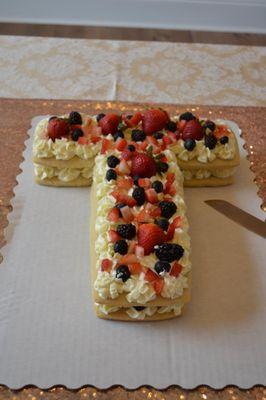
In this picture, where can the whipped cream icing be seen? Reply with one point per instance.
(63, 174)
(205, 173)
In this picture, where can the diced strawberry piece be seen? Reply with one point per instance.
(150, 235)
(143, 216)
(123, 168)
(124, 183)
(170, 177)
(173, 135)
(132, 247)
(127, 214)
(177, 221)
(123, 198)
(143, 145)
(221, 130)
(151, 196)
(151, 140)
(134, 120)
(150, 276)
(155, 212)
(176, 269)
(113, 215)
(172, 190)
(113, 236)
(129, 259)
(126, 154)
(120, 144)
(109, 124)
(144, 183)
(96, 130)
(106, 264)
(106, 145)
(172, 227)
(139, 251)
(82, 140)
(167, 140)
(95, 139)
(135, 268)
(163, 159)
(158, 285)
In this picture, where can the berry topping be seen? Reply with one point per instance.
(158, 135)
(210, 141)
(137, 135)
(154, 120)
(123, 198)
(161, 267)
(118, 134)
(57, 127)
(123, 168)
(193, 130)
(143, 165)
(113, 236)
(151, 196)
(169, 252)
(139, 195)
(75, 118)
(109, 124)
(123, 273)
(100, 116)
(76, 134)
(162, 223)
(187, 116)
(106, 264)
(149, 235)
(131, 147)
(139, 308)
(162, 166)
(168, 209)
(171, 126)
(114, 214)
(224, 140)
(110, 174)
(121, 143)
(176, 269)
(121, 247)
(112, 161)
(127, 214)
(126, 231)
(190, 144)
(157, 186)
(156, 281)
(209, 125)
(119, 206)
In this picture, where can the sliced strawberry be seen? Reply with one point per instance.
(113, 236)
(82, 140)
(144, 183)
(139, 251)
(143, 165)
(57, 128)
(129, 259)
(193, 130)
(176, 269)
(154, 120)
(135, 268)
(123, 198)
(127, 214)
(158, 285)
(167, 140)
(106, 264)
(106, 145)
(123, 168)
(113, 215)
(125, 183)
(151, 196)
(120, 144)
(150, 235)
(109, 124)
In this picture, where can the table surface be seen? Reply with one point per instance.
(134, 71)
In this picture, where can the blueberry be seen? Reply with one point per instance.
(76, 134)
(171, 126)
(137, 135)
(187, 116)
(169, 252)
(224, 140)
(100, 116)
(161, 267)
(121, 247)
(139, 308)
(139, 195)
(75, 118)
(110, 174)
(162, 223)
(209, 125)
(158, 135)
(157, 186)
(126, 231)
(122, 272)
(168, 208)
(210, 141)
(112, 161)
(131, 147)
(118, 134)
(190, 144)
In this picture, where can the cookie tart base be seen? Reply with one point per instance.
(144, 294)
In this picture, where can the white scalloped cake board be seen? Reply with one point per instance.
(49, 333)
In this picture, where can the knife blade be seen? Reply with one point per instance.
(239, 216)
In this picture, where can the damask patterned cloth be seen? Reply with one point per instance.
(33, 67)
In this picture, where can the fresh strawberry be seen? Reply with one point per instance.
(145, 183)
(172, 227)
(220, 131)
(153, 211)
(167, 140)
(151, 196)
(127, 214)
(82, 140)
(151, 276)
(149, 235)
(135, 268)
(123, 198)
(73, 127)
(139, 251)
(143, 165)
(134, 120)
(154, 120)
(125, 183)
(123, 168)
(143, 216)
(151, 140)
(143, 145)
(181, 124)
(158, 285)
(113, 215)
(95, 138)
(172, 190)
(57, 128)
(106, 264)
(193, 130)
(106, 145)
(170, 178)
(128, 259)
(113, 236)
(126, 154)
(176, 269)
(109, 124)
(120, 144)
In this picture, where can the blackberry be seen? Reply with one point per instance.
(168, 209)
(110, 174)
(137, 135)
(139, 308)
(126, 231)
(162, 166)
(119, 206)
(190, 144)
(121, 247)
(139, 195)
(209, 125)
(76, 134)
(161, 267)
(136, 180)
(100, 116)
(122, 272)
(112, 161)
(157, 186)
(210, 141)
(75, 118)
(162, 223)
(224, 140)
(169, 252)
(187, 116)
(171, 126)
(131, 147)
(118, 134)
(158, 135)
